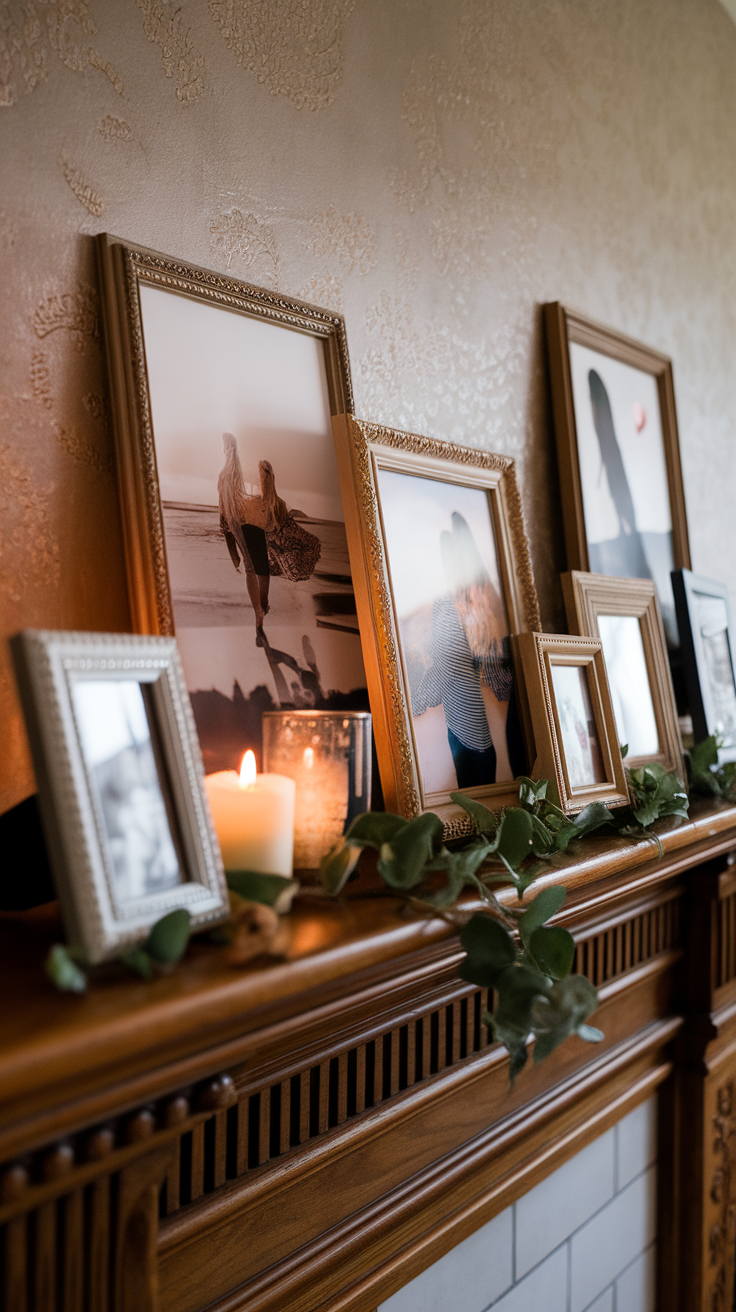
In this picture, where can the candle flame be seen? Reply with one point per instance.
(308, 757)
(248, 770)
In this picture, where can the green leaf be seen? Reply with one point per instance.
(138, 961)
(168, 938)
(543, 840)
(592, 817)
(646, 815)
(531, 791)
(485, 821)
(544, 906)
(401, 862)
(624, 750)
(63, 971)
(489, 947)
(514, 839)
(565, 835)
(704, 755)
(558, 1015)
(590, 1033)
(374, 828)
(272, 890)
(337, 867)
(553, 949)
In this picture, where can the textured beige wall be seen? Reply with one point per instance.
(434, 168)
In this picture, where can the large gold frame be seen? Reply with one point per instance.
(363, 448)
(589, 595)
(537, 654)
(122, 268)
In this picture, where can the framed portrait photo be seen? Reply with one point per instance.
(120, 785)
(704, 617)
(623, 501)
(442, 577)
(570, 720)
(624, 615)
(222, 396)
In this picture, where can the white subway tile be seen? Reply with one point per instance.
(636, 1137)
(545, 1288)
(559, 1205)
(612, 1239)
(467, 1278)
(636, 1289)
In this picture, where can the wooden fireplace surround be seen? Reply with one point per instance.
(311, 1133)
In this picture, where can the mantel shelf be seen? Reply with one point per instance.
(59, 1048)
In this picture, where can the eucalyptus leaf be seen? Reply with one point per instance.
(592, 817)
(168, 938)
(489, 947)
(337, 867)
(138, 961)
(553, 949)
(484, 819)
(272, 890)
(514, 839)
(531, 791)
(374, 828)
(401, 862)
(545, 905)
(63, 971)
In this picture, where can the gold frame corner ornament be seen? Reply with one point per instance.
(363, 448)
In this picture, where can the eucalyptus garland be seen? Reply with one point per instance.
(509, 949)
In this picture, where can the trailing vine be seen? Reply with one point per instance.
(510, 949)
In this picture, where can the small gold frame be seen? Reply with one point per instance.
(363, 449)
(589, 595)
(538, 656)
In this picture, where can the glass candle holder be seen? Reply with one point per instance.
(328, 755)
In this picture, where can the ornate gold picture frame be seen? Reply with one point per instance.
(222, 398)
(442, 577)
(624, 615)
(570, 720)
(623, 501)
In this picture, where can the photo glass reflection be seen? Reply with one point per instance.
(628, 679)
(712, 621)
(623, 473)
(577, 726)
(115, 737)
(454, 633)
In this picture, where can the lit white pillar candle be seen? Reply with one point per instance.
(254, 818)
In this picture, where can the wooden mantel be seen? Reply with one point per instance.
(312, 1131)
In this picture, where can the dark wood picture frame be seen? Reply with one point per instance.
(563, 327)
(589, 595)
(687, 586)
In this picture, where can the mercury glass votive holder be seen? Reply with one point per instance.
(328, 755)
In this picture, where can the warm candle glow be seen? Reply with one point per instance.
(248, 770)
(308, 757)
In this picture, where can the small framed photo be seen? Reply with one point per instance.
(624, 615)
(121, 785)
(704, 617)
(233, 525)
(618, 453)
(442, 578)
(570, 719)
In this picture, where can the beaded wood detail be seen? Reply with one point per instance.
(611, 951)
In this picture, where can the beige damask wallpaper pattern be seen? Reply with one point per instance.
(433, 170)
